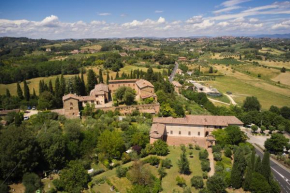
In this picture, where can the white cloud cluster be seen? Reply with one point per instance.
(230, 5)
(244, 22)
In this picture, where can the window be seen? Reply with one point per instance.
(171, 132)
(71, 104)
(189, 133)
(198, 133)
(71, 108)
(179, 132)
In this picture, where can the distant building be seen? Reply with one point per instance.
(48, 49)
(182, 58)
(207, 90)
(192, 129)
(75, 52)
(100, 96)
(123, 54)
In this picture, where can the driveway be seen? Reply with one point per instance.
(260, 140)
(231, 99)
(30, 113)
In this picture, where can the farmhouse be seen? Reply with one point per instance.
(101, 95)
(192, 129)
(177, 86)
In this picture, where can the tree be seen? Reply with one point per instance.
(31, 181)
(50, 87)
(26, 91)
(283, 70)
(234, 135)
(19, 91)
(183, 164)
(22, 141)
(4, 188)
(8, 93)
(18, 119)
(276, 143)
(197, 182)
(139, 174)
(74, 177)
(126, 95)
(238, 169)
(285, 112)
(265, 166)
(216, 184)
(249, 171)
(210, 70)
(108, 78)
(254, 128)
(101, 76)
(91, 80)
(162, 173)
(259, 184)
(263, 128)
(228, 152)
(45, 101)
(160, 147)
(275, 110)
(251, 104)
(111, 144)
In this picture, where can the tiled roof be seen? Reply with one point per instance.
(157, 131)
(143, 83)
(99, 89)
(86, 98)
(200, 120)
(123, 80)
(70, 95)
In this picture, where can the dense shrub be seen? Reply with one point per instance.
(96, 172)
(180, 181)
(205, 166)
(204, 175)
(166, 163)
(121, 171)
(203, 155)
(228, 152)
(153, 160)
(217, 156)
(160, 147)
(197, 182)
(216, 148)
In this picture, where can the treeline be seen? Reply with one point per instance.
(31, 69)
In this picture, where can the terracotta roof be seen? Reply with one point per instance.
(99, 89)
(86, 98)
(68, 96)
(143, 83)
(157, 131)
(123, 80)
(176, 84)
(200, 120)
(145, 96)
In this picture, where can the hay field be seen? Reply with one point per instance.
(271, 51)
(284, 78)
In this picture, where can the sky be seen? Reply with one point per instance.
(59, 19)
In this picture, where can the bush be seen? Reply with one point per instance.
(180, 181)
(228, 152)
(153, 160)
(205, 166)
(197, 147)
(31, 181)
(125, 158)
(160, 147)
(166, 163)
(190, 146)
(121, 172)
(203, 155)
(204, 175)
(216, 148)
(217, 156)
(197, 182)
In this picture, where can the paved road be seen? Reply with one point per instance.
(280, 174)
(171, 77)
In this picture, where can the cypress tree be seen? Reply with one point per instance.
(82, 85)
(249, 172)
(258, 165)
(138, 74)
(117, 76)
(265, 166)
(8, 93)
(101, 76)
(108, 77)
(91, 80)
(19, 91)
(62, 85)
(26, 91)
(238, 169)
(131, 75)
(40, 86)
(183, 164)
(57, 87)
(50, 87)
(34, 94)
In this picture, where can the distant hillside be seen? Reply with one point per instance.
(284, 36)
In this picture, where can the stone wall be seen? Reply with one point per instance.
(154, 108)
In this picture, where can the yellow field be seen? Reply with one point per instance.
(34, 82)
(94, 47)
(266, 73)
(284, 78)
(274, 64)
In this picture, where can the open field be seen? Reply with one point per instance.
(266, 73)
(284, 78)
(274, 64)
(271, 51)
(94, 47)
(34, 82)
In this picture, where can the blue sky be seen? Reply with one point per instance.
(98, 19)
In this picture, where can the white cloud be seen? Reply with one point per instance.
(230, 3)
(253, 20)
(50, 21)
(227, 9)
(195, 19)
(282, 25)
(158, 11)
(223, 24)
(104, 14)
(123, 15)
(161, 20)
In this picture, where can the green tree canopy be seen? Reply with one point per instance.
(276, 143)
(252, 104)
(126, 95)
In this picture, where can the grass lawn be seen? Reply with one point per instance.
(34, 82)
(271, 51)
(243, 88)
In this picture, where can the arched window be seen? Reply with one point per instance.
(198, 133)
(179, 132)
(189, 133)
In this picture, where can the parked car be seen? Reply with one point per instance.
(33, 108)
(25, 118)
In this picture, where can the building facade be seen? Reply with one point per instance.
(194, 129)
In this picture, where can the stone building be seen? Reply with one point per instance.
(177, 86)
(192, 129)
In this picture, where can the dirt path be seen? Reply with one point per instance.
(217, 101)
(231, 99)
(211, 161)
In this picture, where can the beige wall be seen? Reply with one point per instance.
(71, 104)
(195, 131)
(114, 86)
